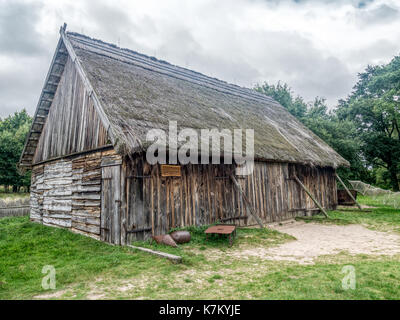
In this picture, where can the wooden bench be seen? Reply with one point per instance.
(223, 229)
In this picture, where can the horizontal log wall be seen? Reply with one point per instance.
(72, 124)
(67, 193)
(205, 194)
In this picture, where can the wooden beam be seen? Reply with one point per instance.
(311, 196)
(249, 206)
(59, 63)
(56, 75)
(348, 191)
(49, 74)
(49, 92)
(171, 257)
(75, 154)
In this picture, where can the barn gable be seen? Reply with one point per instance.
(69, 118)
(72, 123)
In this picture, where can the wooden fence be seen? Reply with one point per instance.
(14, 208)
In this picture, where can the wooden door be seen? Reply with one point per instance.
(139, 193)
(111, 204)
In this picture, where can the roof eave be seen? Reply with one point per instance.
(46, 98)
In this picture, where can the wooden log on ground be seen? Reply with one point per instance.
(171, 257)
(311, 196)
(348, 191)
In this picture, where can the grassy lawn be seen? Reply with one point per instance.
(88, 269)
(380, 217)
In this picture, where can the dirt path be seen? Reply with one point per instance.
(314, 240)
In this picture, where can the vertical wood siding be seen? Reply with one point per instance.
(72, 124)
(204, 194)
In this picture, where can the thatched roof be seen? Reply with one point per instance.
(138, 93)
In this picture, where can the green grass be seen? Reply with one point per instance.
(86, 268)
(199, 245)
(26, 247)
(13, 196)
(380, 217)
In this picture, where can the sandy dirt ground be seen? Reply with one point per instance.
(314, 240)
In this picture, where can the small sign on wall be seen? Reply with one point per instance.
(170, 170)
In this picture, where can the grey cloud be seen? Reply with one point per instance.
(377, 52)
(382, 14)
(20, 84)
(17, 29)
(211, 42)
(355, 3)
(25, 56)
(114, 25)
(292, 58)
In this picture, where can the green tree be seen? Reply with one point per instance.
(282, 93)
(374, 106)
(342, 136)
(13, 131)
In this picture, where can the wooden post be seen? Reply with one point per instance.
(251, 210)
(348, 191)
(311, 196)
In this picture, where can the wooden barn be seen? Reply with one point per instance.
(87, 148)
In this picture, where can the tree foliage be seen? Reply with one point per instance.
(374, 107)
(13, 131)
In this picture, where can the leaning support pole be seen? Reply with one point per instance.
(311, 196)
(348, 191)
(249, 206)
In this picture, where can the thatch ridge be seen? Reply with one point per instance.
(162, 65)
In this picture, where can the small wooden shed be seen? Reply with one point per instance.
(86, 148)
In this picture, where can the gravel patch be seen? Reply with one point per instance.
(314, 240)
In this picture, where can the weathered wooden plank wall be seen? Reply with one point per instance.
(36, 202)
(72, 124)
(205, 194)
(57, 194)
(67, 193)
(117, 201)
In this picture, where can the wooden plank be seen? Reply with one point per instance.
(109, 161)
(171, 257)
(170, 171)
(124, 201)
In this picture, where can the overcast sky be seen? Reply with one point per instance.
(317, 47)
